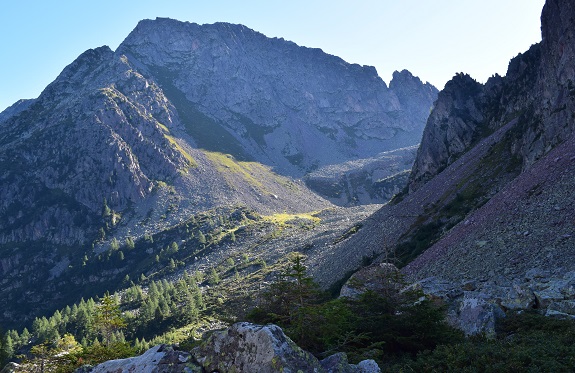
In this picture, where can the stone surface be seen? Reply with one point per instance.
(337, 363)
(158, 359)
(477, 315)
(519, 298)
(367, 366)
(245, 347)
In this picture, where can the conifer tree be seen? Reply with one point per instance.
(108, 318)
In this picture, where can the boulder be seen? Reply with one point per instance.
(246, 347)
(547, 296)
(367, 366)
(382, 278)
(476, 314)
(158, 359)
(563, 308)
(518, 298)
(337, 363)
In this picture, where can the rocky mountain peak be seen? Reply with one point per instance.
(451, 128)
(234, 76)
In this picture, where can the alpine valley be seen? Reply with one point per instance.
(213, 158)
(184, 120)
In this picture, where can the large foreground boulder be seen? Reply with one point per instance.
(158, 359)
(246, 347)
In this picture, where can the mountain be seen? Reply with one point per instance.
(489, 196)
(184, 129)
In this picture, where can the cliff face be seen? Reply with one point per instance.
(525, 227)
(538, 90)
(289, 107)
(467, 112)
(487, 196)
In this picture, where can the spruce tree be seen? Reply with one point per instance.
(108, 318)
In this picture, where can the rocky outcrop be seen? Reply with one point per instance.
(474, 306)
(158, 359)
(538, 89)
(246, 347)
(289, 107)
(452, 127)
(242, 348)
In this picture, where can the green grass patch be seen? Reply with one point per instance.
(190, 160)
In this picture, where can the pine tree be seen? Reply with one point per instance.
(290, 300)
(108, 318)
(172, 265)
(130, 244)
(8, 346)
(201, 238)
(214, 278)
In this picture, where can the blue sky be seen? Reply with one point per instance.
(432, 39)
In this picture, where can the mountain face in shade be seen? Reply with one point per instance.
(490, 192)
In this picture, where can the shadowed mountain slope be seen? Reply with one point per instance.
(489, 187)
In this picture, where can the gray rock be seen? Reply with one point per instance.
(476, 314)
(565, 307)
(337, 363)
(158, 359)
(367, 366)
(548, 295)
(246, 347)
(518, 298)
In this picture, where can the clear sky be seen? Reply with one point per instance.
(433, 39)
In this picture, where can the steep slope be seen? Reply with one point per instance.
(528, 225)
(495, 163)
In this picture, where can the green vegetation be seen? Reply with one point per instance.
(526, 342)
(282, 219)
(189, 159)
(103, 326)
(401, 330)
(378, 325)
